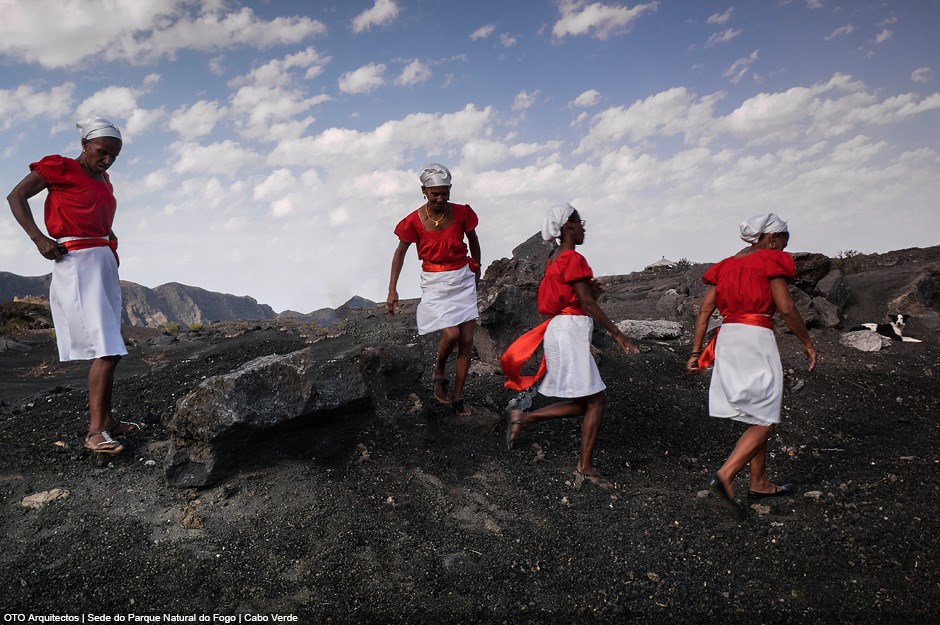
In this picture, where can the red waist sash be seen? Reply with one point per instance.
(73, 245)
(517, 354)
(427, 265)
(707, 359)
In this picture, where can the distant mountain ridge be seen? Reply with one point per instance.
(167, 303)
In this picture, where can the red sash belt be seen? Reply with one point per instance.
(707, 359)
(73, 245)
(517, 354)
(427, 265)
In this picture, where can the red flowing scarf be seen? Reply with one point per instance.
(521, 350)
(707, 359)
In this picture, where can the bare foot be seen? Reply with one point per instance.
(591, 475)
(513, 427)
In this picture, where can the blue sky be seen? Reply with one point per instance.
(271, 147)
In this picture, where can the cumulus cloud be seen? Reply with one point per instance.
(883, 36)
(588, 98)
(840, 31)
(721, 18)
(723, 37)
(25, 103)
(366, 79)
(507, 41)
(598, 20)
(482, 32)
(383, 13)
(196, 120)
(922, 74)
(413, 73)
(524, 100)
(814, 4)
(137, 32)
(222, 158)
(740, 68)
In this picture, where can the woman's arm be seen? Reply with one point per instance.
(18, 199)
(473, 243)
(792, 317)
(701, 327)
(583, 290)
(398, 260)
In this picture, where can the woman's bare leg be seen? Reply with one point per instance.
(751, 443)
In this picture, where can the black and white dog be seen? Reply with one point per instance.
(894, 329)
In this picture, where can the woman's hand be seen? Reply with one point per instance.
(626, 344)
(809, 350)
(691, 365)
(49, 248)
(391, 304)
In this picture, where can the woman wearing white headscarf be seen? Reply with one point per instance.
(567, 295)
(449, 276)
(747, 381)
(85, 294)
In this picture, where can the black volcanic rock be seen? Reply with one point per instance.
(12, 285)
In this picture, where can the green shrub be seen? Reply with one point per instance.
(196, 327)
(170, 327)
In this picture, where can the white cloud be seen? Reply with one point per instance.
(383, 13)
(587, 98)
(814, 4)
(524, 100)
(883, 36)
(366, 79)
(922, 74)
(507, 41)
(482, 32)
(596, 19)
(739, 68)
(136, 32)
(723, 37)
(413, 73)
(840, 31)
(25, 103)
(196, 120)
(721, 18)
(221, 158)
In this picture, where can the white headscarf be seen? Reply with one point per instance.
(434, 175)
(555, 218)
(752, 229)
(95, 127)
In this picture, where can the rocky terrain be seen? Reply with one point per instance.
(387, 508)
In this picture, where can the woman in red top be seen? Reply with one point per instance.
(85, 294)
(747, 382)
(567, 295)
(449, 277)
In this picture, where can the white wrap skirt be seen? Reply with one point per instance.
(571, 370)
(85, 298)
(448, 298)
(747, 380)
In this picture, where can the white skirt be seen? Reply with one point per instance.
(448, 298)
(85, 298)
(747, 381)
(572, 371)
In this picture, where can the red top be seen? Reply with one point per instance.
(742, 285)
(443, 247)
(556, 291)
(77, 205)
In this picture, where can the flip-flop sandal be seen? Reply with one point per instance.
(123, 428)
(718, 487)
(440, 390)
(107, 445)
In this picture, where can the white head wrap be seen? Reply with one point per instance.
(555, 218)
(752, 229)
(434, 175)
(95, 127)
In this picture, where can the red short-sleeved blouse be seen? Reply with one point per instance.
(742, 285)
(77, 205)
(556, 291)
(439, 246)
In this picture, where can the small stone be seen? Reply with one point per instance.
(702, 494)
(150, 463)
(813, 494)
(760, 508)
(38, 500)
(653, 577)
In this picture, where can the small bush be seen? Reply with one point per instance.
(14, 327)
(196, 327)
(170, 327)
